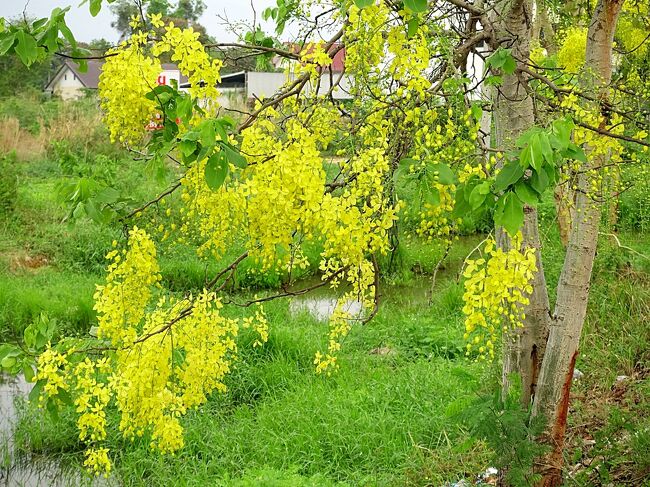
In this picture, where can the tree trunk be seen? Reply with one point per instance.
(514, 114)
(552, 397)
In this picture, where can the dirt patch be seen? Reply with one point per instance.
(20, 261)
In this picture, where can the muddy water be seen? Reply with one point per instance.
(29, 471)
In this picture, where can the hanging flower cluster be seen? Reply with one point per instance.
(496, 290)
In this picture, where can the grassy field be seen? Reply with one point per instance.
(406, 407)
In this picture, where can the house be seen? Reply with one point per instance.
(69, 83)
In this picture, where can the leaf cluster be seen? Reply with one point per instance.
(524, 177)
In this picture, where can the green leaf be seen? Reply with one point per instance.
(509, 175)
(363, 3)
(8, 362)
(107, 196)
(512, 217)
(526, 193)
(67, 34)
(461, 205)
(445, 174)
(216, 170)
(477, 111)
(531, 155)
(6, 42)
(65, 397)
(412, 27)
(28, 372)
(26, 48)
(431, 195)
(208, 133)
(93, 212)
(53, 409)
(561, 132)
(546, 149)
(235, 157)
(220, 127)
(553, 173)
(502, 59)
(493, 81)
(95, 7)
(509, 64)
(184, 108)
(36, 391)
(478, 195)
(408, 161)
(575, 152)
(417, 6)
(187, 147)
(539, 181)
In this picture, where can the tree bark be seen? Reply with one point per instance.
(514, 114)
(552, 397)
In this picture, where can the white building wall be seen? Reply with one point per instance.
(68, 86)
(265, 85)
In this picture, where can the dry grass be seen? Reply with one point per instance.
(73, 123)
(13, 138)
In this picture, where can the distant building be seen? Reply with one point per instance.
(239, 90)
(69, 83)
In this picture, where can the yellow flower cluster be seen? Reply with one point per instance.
(260, 325)
(164, 359)
(410, 59)
(496, 289)
(50, 366)
(571, 55)
(602, 180)
(364, 40)
(97, 461)
(127, 76)
(202, 70)
(436, 140)
(92, 397)
(120, 302)
(313, 58)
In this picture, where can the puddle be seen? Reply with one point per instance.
(321, 303)
(322, 307)
(30, 471)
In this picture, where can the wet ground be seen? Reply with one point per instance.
(29, 471)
